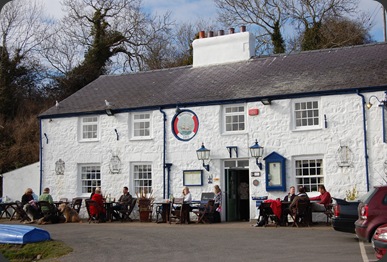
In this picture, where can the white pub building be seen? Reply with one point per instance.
(306, 118)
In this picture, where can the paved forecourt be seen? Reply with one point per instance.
(203, 242)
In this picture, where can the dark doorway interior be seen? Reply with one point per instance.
(237, 195)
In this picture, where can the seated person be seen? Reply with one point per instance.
(98, 211)
(30, 206)
(48, 217)
(301, 197)
(291, 195)
(46, 197)
(324, 200)
(187, 195)
(123, 202)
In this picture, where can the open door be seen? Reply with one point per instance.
(237, 195)
(231, 195)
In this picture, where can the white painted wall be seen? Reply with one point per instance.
(223, 49)
(272, 127)
(17, 181)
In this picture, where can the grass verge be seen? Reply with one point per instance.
(34, 251)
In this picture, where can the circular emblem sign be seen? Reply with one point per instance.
(185, 125)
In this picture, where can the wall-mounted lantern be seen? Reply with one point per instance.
(204, 155)
(256, 151)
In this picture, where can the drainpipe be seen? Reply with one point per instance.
(41, 157)
(365, 139)
(168, 166)
(164, 151)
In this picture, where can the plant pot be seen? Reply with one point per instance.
(144, 216)
(144, 206)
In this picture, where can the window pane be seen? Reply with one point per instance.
(90, 178)
(309, 174)
(142, 179)
(234, 118)
(306, 114)
(141, 125)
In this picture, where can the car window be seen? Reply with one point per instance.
(367, 197)
(385, 199)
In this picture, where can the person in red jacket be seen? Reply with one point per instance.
(98, 211)
(324, 199)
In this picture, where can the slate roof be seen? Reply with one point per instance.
(322, 72)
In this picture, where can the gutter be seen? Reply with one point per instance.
(365, 140)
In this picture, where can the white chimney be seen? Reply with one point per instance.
(223, 49)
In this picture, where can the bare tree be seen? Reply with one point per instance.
(268, 16)
(309, 15)
(20, 30)
(174, 48)
(110, 36)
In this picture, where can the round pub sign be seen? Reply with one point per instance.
(185, 125)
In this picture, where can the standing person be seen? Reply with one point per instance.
(324, 200)
(98, 211)
(243, 191)
(187, 195)
(123, 202)
(217, 203)
(29, 205)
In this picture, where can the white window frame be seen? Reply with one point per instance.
(83, 124)
(227, 114)
(313, 180)
(134, 121)
(141, 183)
(308, 118)
(93, 180)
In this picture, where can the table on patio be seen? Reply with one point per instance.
(4, 207)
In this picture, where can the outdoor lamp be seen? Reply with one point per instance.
(257, 152)
(381, 102)
(204, 154)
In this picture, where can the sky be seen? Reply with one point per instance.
(191, 10)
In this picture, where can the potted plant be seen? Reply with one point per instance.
(145, 204)
(351, 194)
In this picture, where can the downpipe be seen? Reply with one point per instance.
(365, 139)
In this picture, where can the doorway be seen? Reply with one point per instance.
(237, 191)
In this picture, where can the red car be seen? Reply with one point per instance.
(372, 213)
(379, 241)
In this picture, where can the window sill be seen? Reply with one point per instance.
(141, 138)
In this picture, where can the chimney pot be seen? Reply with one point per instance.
(220, 32)
(243, 28)
(202, 34)
(231, 30)
(210, 33)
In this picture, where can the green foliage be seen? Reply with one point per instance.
(351, 194)
(311, 38)
(29, 252)
(277, 39)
